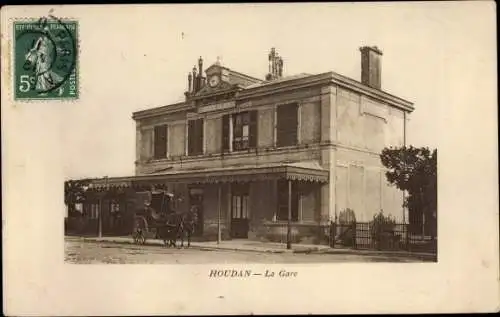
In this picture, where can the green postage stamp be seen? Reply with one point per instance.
(45, 59)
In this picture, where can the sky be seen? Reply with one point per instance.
(134, 58)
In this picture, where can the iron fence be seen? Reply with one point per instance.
(356, 235)
(393, 237)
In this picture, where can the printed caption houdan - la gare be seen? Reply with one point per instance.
(249, 273)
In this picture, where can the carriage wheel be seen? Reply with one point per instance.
(140, 229)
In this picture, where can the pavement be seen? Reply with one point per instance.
(271, 247)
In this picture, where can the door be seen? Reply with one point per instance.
(196, 205)
(240, 211)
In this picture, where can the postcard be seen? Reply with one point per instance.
(249, 159)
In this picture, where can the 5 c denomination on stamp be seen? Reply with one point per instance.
(46, 59)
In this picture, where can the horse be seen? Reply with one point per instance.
(189, 220)
(182, 225)
(168, 233)
(174, 225)
(167, 226)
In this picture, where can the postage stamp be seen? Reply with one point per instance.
(45, 59)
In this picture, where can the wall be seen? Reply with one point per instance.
(310, 118)
(364, 127)
(176, 136)
(213, 136)
(265, 128)
(367, 124)
(211, 211)
(365, 190)
(234, 159)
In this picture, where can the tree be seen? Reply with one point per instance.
(74, 193)
(414, 170)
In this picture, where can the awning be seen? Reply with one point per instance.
(302, 171)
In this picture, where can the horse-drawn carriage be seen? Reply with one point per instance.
(156, 218)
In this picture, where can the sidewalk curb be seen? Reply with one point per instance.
(317, 250)
(421, 256)
(239, 249)
(201, 247)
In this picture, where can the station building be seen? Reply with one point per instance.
(241, 148)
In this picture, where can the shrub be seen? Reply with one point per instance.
(382, 231)
(347, 216)
(346, 221)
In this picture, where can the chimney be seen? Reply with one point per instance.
(190, 81)
(200, 65)
(280, 67)
(371, 72)
(195, 81)
(275, 65)
(200, 74)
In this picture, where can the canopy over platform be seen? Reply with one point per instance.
(303, 171)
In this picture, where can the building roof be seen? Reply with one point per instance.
(279, 80)
(256, 86)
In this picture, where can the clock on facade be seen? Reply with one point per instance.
(213, 81)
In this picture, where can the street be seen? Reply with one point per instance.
(78, 251)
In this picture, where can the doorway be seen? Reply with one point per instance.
(196, 205)
(240, 210)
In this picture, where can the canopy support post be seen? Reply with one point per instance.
(289, 224)
(219, 212)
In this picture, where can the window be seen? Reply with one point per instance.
(94, 211)
(282, 214)
(79, 208)
(195, 137)
(287, 124)
(114, 207)
(240, 201)
(241, 123)
(244, 127)
(160, 142)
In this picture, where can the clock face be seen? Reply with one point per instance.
(214, 81)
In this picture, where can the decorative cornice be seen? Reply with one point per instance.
(169, 109)
(322, 80)
(283, 86)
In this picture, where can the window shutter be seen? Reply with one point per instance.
(252, 136)
(294, 123)
(146, 144)
(191, 137)
(225, 133)
(160, 141)
(195, 137)
(199, 149)
(287, 124)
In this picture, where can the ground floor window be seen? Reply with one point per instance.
(93, 211)
(114, 207)
(240, 201)
(282, 214)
